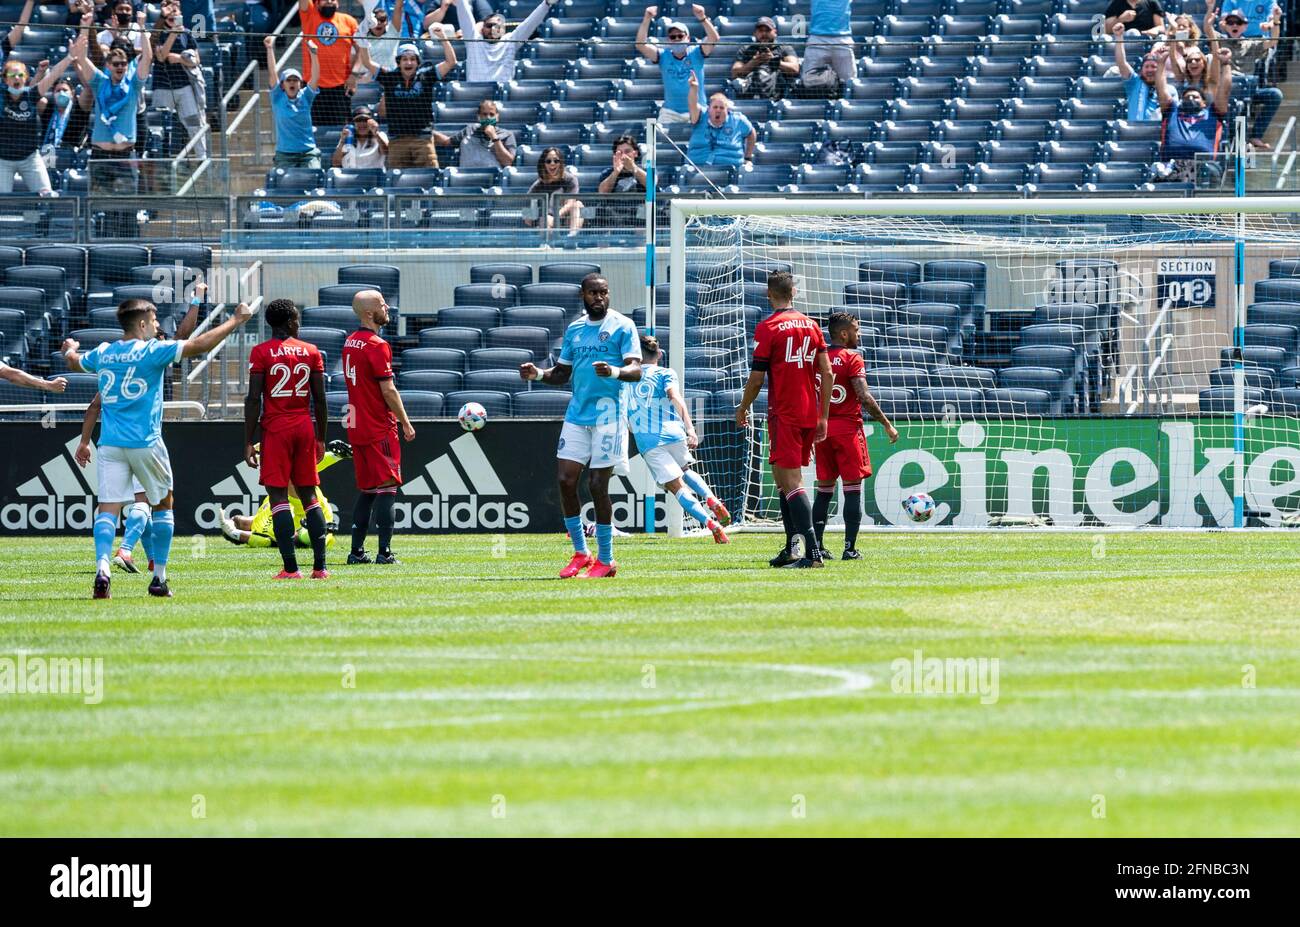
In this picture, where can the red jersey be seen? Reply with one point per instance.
(367, 359)
(846, 410)
(287, 366)
(786, 344)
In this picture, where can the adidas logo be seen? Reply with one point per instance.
(66, 492)
(242, 484)
(627, 498)
(455, 482)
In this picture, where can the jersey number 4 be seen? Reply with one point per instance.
(797, 355)
(349, 371)
(281, 387)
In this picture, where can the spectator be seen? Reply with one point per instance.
(178, 78)
(681, 61)
(361, 144)
(1190, 127)
(408, 105)
(66, 115)
(116, 92)
(765, 70)
(1185, 32)
(625, 176)
(126, 29)
(1144, 16)
(291, 106)
(1139, 88)
(482, 144)
(20, 127)
(722, 136)
(829, 51)
(1255, 13)
(77, 8)
(1245, 57)
(444, 11)
(333, 32)
(1193, 69)
(15, 35)
(552, 177)
(377, 43)
(407, 16)
(492, 60)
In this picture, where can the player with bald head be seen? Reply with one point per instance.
(374, 413)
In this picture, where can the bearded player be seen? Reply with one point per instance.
(843, 456)
(286, 398)
(374, 412)
(601, 352)
(790, 352)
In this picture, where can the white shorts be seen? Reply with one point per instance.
(668, 462)
(597, 446)
(121, 467)
(668, 116)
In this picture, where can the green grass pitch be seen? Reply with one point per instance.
(1148, 684)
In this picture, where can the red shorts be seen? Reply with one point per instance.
(378, 463)
(289, 456)
(790, 446)
(844, 457)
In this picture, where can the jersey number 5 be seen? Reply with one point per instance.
(802, 353)
(281, 388)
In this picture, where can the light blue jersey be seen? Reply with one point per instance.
(598, 400)
(831, 17)
(676, 74)
(131, 377)
(650, 414)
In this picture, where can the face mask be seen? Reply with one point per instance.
(1189, 109)
(487, 121)
(678, 49)
(62, 99)
(123, 19)
(16, 91)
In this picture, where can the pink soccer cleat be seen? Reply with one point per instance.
(579, 563)
(599, 570)
(285, 574)
(320, 574)
(721, 514)
(122, 560)
(719, 536)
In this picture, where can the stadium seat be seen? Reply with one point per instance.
(565, 272)
(436, 380)
(433, 359)
(339, 294)
(461, 339)
(90, 337)
(495, 402)
(550, 318)
(13, 337)
(542, 403)
(1016, 401)
(568, 296)
(1279, 268)
(956, 376)
(337, 317)
(1220, 399)
(513, 274)
(110, 265)
(1285, 337)
(187, 254)
(1254, 377)
(896, 402)
(901, 377)
(889, 271)
(382, 277)
(537, 341)
(480, 317)
(499, 358)
(944, 401)
(498, 379)
(421, 403)
(1274, 358)
(1273, 314)
(1048, 379)
(1266, 291)
(330, 342)
(725, 402)
(878, 293)
(492, 295)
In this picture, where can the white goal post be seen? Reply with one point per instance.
(1163, 359)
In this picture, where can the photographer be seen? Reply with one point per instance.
(765, 70)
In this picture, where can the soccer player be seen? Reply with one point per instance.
(139, 520)
(600, 353)
(23, 378)
(790, 350)
(286, 398)
(131, 374)
(258, 530)
(665, 435)
(843, 455)
(374, 412)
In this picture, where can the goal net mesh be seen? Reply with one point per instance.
(1071, 370)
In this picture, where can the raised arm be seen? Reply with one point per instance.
(1163, 93)
(1223, 92)
(314, 83)
(710, 32)
(214, 336)
(1121, 59)
(16, 33)
(145, 64)
(23, 378)
(85, 70)
(524, 31)
(693, 97)
(272, 75)
(191, 320)
(53, 74)
(465, 14)
(643, 35)
(448, 62)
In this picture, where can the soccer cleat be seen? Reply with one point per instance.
(719, 536)
(103, 585)
(359, 557)
(320, 574)
(285, 574)
(851, 553)
(122, 560)
(386, 556)
(159, 589)
(579, 563)
(150, 566)
(720, 512)
(228, 529)
(783, 559)
(803, 563)
(340, 449)
(600, 569)
(825, 554)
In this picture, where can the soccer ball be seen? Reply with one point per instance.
(472, 416)
(919, 506)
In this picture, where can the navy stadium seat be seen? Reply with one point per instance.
(495, 403)
(433, 380)
(462, 339)
(433, 359)
(542, 403)
(420, 403)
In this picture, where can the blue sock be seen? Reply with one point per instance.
(137, 519)
(574, 527)
(105, 532)
(164, 525)
(146, 539)
(604, 543)
(692, 506)
(698, 486)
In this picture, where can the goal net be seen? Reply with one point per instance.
(1068, 363)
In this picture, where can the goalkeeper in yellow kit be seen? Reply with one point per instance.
(257, 531)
